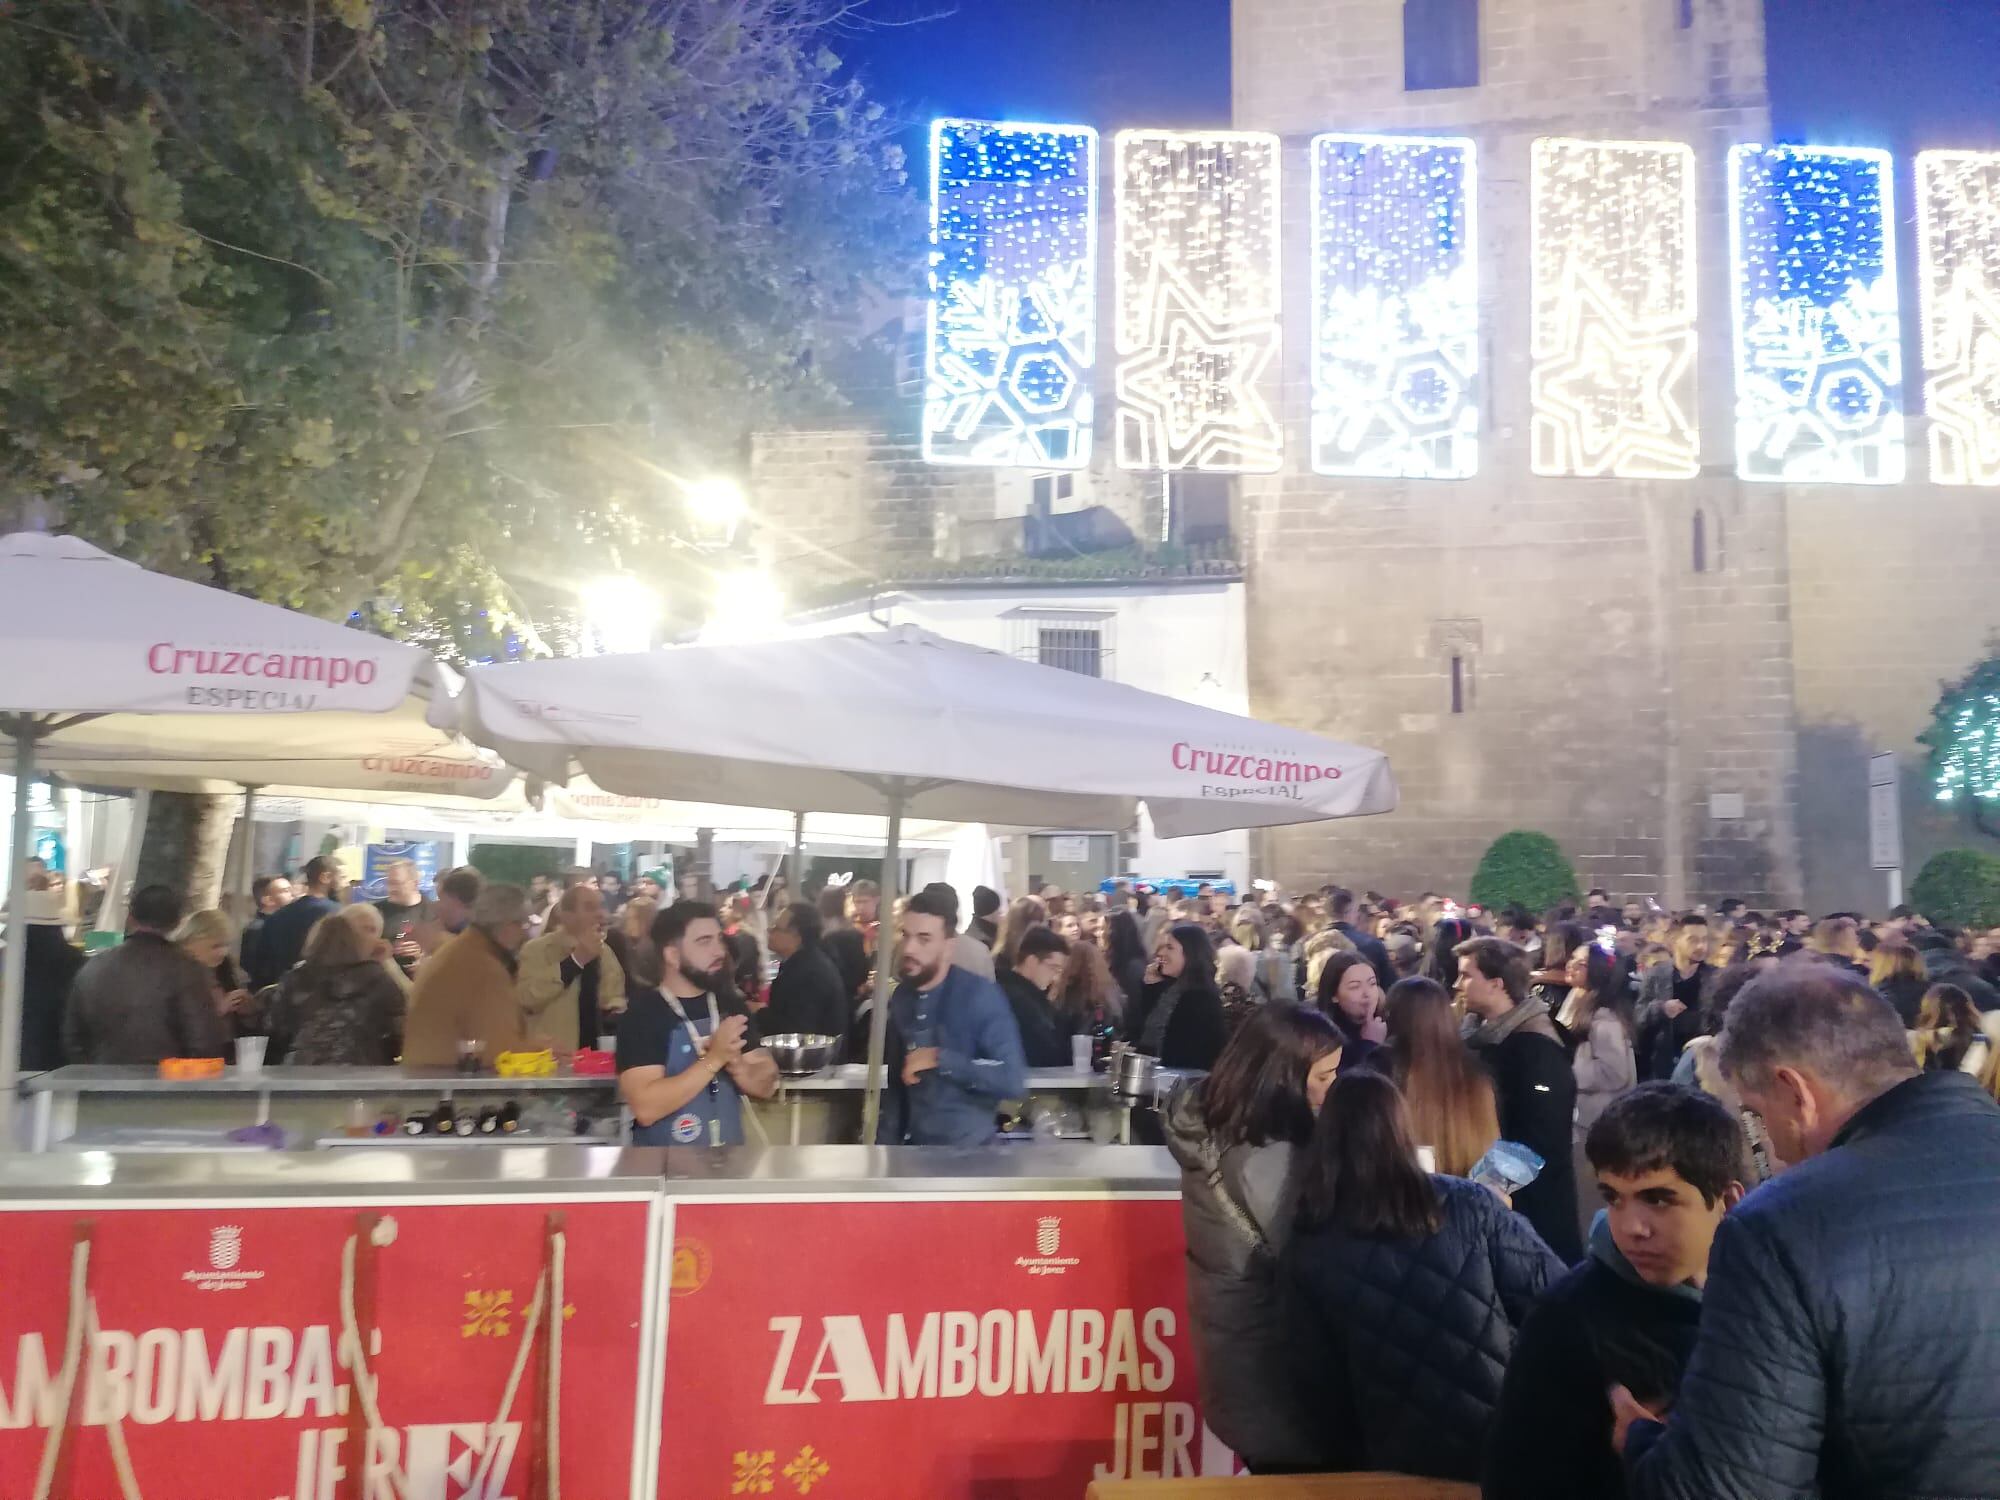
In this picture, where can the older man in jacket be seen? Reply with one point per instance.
(465, 991)
(1850, 1336)
(570, 983)
(143, 1000)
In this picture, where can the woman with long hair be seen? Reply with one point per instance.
(1086, 997)
(1235, 1135)
(209, 938)
(1898, 975)
(1026, 912)
(1597, 1016)
(338, 1006)
(1449, 1096)
(1550, 982)
(1179, 1018)
(1441, 964)
(1125, 952)
(1406, 1291)
(1350, 996)
(1949, 1037)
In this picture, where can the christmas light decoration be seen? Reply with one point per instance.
(1819, 354)
(1612, 382)
(1958, 241)
(1197, 296)
(1395, 312)
(1964, 741)
(1012, 327)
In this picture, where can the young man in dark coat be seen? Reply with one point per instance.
(1669, 1164)
(1517, 1040)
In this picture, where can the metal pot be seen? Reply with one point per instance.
(801, 1054)
(1132, 1075)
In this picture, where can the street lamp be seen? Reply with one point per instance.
(716, 506)
(623, 613)
(748, 606)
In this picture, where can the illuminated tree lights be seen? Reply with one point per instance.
(1197, 298)
(1395, 307)
(1012, 332)
(1819, 353)
(1612, 384)
(1964, 741)
(1958, 241)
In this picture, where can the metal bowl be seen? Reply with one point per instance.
(801, 1054)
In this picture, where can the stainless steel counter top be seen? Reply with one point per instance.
(473, 1169)
(96, 1079)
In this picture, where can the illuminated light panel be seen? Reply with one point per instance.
(1958, 242)
(1012, 329)
(1819, 348)
(1612, 381)
(1395, 287)
(1197, 297)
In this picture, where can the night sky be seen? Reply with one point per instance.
(1906, 74)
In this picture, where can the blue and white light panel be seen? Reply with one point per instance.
(1958, 243)
(1012, 329)
(1819, 353)
(1395, 307)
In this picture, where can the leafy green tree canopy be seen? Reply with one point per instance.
(1964, 741)
(1959, 888)
(419, 307)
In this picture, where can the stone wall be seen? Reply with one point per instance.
(1613, 693)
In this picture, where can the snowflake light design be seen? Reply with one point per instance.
(1012, 327)
(1197, 298)
(1612, 377)
(1819, 350)
(1958, 243)
(1396, 388)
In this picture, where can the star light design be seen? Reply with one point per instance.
(1011, 332)
(1197, 295)
(1613, 371)
(1609, 400)
(1819, 354)
(1396, 387)
(1958, 243)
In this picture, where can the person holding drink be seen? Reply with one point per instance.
(405, 912)
(686, 1055)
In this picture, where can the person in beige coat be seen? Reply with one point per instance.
(570, 982)
(465, 991)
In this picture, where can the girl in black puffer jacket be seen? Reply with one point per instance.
(1403, 1291)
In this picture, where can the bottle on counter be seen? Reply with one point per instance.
(509, 1118)
(489, 1121)
(442, 1120)
(416, 1124)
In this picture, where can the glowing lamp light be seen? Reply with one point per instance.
(1819, 344)
(1395, 307)
(1011, 330)
(1958, 252)
(1612, 377)
(622, 614)
(1197, 295)
(749, 606)
(716, 506)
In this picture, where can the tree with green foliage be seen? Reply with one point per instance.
(1964, 741)
(420, 307)
(1524, 869)
(1959, 888)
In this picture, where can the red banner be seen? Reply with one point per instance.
(384, 1351)
(846, 1350)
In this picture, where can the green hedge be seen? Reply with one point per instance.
(1959, 888)
(1524, 869)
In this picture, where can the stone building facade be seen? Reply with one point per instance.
(1681, 681)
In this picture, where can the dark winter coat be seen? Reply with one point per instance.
(52, 965)
(1236, 1211)
(1401, 1344)
(1535, 1090)
(1599, 1324)
(1044, 1038)
(140, 1002)
(808, 996)
(1196, 1031)
(348, 1015)
(1850, 1334)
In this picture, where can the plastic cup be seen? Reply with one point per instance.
(250, 1055)
(1079, 1053)
(607, 1043)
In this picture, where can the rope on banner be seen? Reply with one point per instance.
(55, 1447)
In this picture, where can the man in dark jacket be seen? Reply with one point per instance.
(807, 996)
(1039, 961)
(1340, 907)
(286, 930)
(1669, 1164)
(1532, 1082)
(145, 999)
(1850, 1337)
